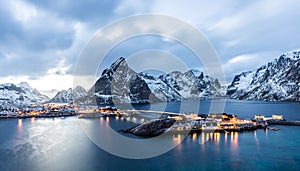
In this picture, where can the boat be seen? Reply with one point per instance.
(274, 129)
(226, 131)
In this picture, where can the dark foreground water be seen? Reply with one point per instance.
(61, 144)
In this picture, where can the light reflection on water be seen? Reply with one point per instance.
(32, 119)
(20, 123)
(194, 137)
(52, 144)
(256, 139)
(231, 138)
(56, 144)
(234, 141)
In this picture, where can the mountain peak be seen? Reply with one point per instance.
(68, 96)
(197, 72)
(108, 72)
(79, 89)
(293, 55)
(117, 63)
(25, 85)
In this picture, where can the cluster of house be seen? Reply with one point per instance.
(265, 118)
(43, 110)
(95, 112)
(219, 122)
(59, 109)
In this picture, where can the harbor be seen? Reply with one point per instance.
(195, 123)
(183, 122)
(46, 110)
(74, 133)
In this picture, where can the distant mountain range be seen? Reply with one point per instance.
(278, 80)
(20, 95)
(67, 96)
(21, 92)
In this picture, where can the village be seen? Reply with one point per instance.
(220, 122)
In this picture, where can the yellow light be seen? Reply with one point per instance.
(194, 137)
(202, 138)
(20, 123)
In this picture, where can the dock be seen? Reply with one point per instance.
(283, 122)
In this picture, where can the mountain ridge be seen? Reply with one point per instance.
(278, 80)
(120, 84)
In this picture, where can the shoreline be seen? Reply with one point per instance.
(99, 115)
(287, 123)
(38, 116)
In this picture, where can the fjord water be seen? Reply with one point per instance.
(61, 144)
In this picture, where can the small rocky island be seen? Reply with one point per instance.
(151, 128)
(194, 123)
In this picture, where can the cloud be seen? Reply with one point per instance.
(156, 60)
(246, 34)
(29, 28)
(38, 35)
(257, 27)
(11, 28)
(31, 40)
(247, 62)
(83, 11)
(152, 50)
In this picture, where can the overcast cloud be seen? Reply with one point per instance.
(41, 40)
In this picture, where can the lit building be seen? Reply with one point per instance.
(277, 117)
(259, 117)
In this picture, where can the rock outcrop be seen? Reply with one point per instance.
(151, 128)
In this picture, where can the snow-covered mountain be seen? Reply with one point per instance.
(192, 84)
(278, 80)
(21, 93)
(13, 97)
(67, 96)
(119, 83)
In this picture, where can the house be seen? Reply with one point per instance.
(277, 117)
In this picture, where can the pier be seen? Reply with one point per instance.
(283, 122)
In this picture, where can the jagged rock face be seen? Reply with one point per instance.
(160, 89)
(183, 83)
(120, 84)
(79, 92)
(276, 81)
(64, 96)
(188, 85)
(68, 96)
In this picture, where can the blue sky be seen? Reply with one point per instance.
(41, 40)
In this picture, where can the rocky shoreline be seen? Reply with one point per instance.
(151, 128)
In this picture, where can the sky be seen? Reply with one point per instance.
(40, 41)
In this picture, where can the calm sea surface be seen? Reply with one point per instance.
(61, 144)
